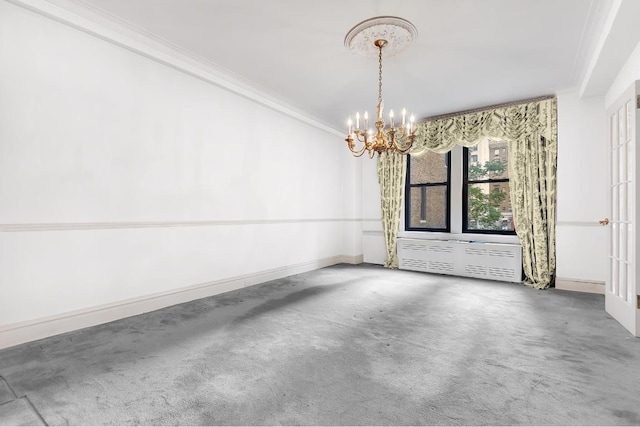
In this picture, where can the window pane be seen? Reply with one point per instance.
(488, 160)
(428, 207)
(622, 128)
(489, 207)
(428, 168)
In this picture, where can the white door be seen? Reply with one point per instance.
(621, 295)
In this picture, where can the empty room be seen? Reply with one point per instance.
(295, 212)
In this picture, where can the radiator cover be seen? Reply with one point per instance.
(495, 261)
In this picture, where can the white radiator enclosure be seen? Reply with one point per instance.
(495, 261)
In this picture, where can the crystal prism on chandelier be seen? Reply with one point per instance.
(395, 138)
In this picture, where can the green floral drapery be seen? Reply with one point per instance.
(531, 131)
(392, 169)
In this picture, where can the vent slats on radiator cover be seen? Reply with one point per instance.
(501, 272)
(475, 270)
(501, 254)
(443, 249)
(415, 246)
(415, 263)
(441, 267)
(475, 251)
(496, 261)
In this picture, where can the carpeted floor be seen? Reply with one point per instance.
(345, 345)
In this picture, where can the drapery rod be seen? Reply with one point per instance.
(490, 107)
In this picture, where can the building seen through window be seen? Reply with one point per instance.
(486, 196)
(427, 192)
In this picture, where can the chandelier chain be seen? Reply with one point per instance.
(379, 73)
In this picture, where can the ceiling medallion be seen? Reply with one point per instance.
(369, 38)
(399, 34)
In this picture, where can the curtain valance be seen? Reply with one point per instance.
(513, 122)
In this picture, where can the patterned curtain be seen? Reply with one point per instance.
(531, 131)
(392, 169)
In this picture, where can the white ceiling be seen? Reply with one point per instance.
(469, 53)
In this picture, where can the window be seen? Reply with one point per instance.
(477, 200)
(486, 202)
(427, 197)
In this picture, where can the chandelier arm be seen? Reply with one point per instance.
(359, 152)
(362, 137)
(401, 151)
(351, 145)
(407, 148)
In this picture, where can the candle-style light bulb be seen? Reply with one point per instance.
(391, 117)
(357, 120)
(366, 119)
(349, 123)
(411, 121)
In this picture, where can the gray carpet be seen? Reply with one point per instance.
(345, 345)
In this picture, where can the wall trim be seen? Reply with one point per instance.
(352, 259)
(577, 285)
(23, 332)
(578, 224)
(156, 49)
(69, 226)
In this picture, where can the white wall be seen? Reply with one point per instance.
(121, 178)
(373, 246)
(582, 189)
(352, 191)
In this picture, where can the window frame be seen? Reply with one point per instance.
(465, 198)
(407, 198)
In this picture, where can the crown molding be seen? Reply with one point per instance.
(591, 32)
(619, 36)
(599, 46)
(120, 33)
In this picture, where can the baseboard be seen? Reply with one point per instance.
(22, 332)
(352, 259)
(593, 287)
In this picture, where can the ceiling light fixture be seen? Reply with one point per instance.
(368, 37)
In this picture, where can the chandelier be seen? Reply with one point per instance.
(398, 138)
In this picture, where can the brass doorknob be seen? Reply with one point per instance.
(604, 221)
